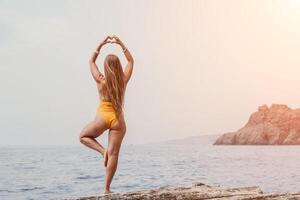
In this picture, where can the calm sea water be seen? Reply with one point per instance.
(56, 172)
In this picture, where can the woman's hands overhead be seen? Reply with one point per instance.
(106, 40)
(115, 39)
(112, 39)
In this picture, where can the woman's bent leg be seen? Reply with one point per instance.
(92, 130)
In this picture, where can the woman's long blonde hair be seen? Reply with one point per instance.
(115, 85)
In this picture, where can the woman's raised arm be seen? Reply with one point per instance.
(129, 67)
(93, 67)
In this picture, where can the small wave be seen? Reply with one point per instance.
(88, 177)
(31, 189)
(8, 191)
(29, 167)
(21, 190)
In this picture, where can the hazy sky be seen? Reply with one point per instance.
(201, 67)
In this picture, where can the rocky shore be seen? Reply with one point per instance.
(274, 125)
(197, 191)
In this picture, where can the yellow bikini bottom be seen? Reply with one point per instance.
(105, 109)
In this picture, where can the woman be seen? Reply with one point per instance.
(111, 89)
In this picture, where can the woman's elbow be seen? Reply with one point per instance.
(132, 61)
(91, 61)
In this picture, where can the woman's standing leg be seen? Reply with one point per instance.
(114, 145)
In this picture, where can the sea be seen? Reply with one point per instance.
(56, 172)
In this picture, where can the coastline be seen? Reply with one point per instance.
(196, 190)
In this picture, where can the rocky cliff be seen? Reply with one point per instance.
(274, 125)
(196, 191)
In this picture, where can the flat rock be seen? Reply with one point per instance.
(197, 191)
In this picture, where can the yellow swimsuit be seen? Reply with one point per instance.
(106, 110)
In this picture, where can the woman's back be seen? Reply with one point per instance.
(102, 89)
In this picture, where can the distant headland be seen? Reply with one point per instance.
(274, 125)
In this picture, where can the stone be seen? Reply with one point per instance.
(196, 191)
(274, 125)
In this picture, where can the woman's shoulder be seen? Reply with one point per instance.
(101, 81)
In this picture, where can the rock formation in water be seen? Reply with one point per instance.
(275, 125)
(195, 192)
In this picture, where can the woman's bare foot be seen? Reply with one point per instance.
(105, 158)
(108, 192)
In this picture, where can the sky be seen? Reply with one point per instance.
(201, 66)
